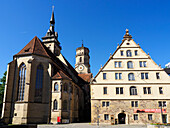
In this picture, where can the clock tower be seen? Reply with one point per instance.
(82, 65)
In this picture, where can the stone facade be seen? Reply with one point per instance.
(43, 87)
(130, 88)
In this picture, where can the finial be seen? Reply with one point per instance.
(117, 44)
(148, 53)
(52, 21)
(127, 35)
(110, 54)
(82, 44)
(101, 65)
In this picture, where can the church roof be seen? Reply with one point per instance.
(86, 77)
(60, 75)
(35, 46)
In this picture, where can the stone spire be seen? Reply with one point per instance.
(51, 37)
(127, 35)
(52, 20)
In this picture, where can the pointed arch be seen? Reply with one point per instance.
(55, 105)
(39, 83)
(21, 82)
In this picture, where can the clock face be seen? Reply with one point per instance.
(81, 67)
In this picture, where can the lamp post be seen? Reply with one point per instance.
(161, 112)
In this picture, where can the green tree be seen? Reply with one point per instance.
(2, 86)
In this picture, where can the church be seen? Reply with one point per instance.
(43, 87)
(130, 88)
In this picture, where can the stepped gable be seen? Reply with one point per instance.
(35, 46)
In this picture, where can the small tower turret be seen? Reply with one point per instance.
(51, 37)
(82, 65)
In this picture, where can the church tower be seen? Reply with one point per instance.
(82, 65)
(50, 40)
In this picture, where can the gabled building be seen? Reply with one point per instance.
(130, 88)
(43, 87)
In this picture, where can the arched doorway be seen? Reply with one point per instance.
(121, 118)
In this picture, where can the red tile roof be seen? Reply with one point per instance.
(60, 75)
(34, 47)
(86, 77)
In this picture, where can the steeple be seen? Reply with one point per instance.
(127, 35)
(51, 37)
(52, 20)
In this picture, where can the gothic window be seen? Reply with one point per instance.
(128, 53)
(56, 87)
(55, 105)
(64, 105)
(129, 64)
(133, 90)
(39, 83)
(65, 87)
(131, 76)
(21, 82)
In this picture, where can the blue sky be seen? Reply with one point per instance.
(100, 23)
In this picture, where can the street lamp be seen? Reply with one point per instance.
(161, 112)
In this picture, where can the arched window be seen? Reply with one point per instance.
(64, 105)
(55, 105)
(131, 76)
(128, 53)
(65, 87)
(80, 59)
(129, 64)
(21, 82)
(56, 87)
(39, 83)
(133, 90)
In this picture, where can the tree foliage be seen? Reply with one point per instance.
(2, 86)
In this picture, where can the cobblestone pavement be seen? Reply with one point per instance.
(88, 125)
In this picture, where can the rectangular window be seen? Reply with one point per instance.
(106, 116)
(162, 103)
(118, 64)
(157, 75)
(119, 90)
(160, 90)
(149, 116)
(107, 104)
(144, 76)
(118, 76)
(147, 90)
(121, 53)
(135, 116)
(134, 103)
(136, 52)
(103, 104)
(104, 76)
(105, 90)
(142, 63)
